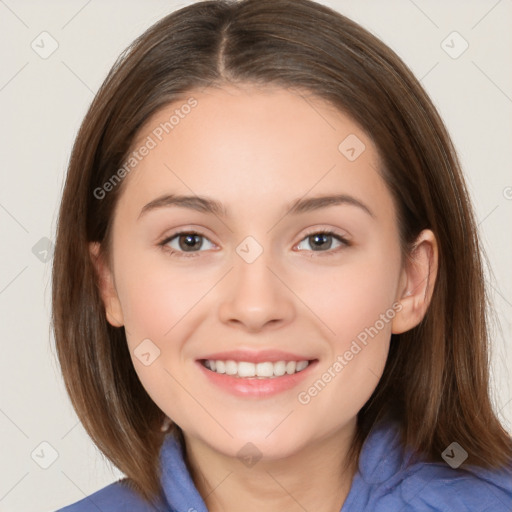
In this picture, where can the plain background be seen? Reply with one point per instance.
(42, 104)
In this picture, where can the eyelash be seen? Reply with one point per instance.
(181, 254)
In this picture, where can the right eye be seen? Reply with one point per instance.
(185, 243)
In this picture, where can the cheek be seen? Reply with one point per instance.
(156, 296)
(160, 303)
(355, 302)
(352, 297)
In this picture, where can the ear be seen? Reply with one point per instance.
(107, 286)
(416, 282)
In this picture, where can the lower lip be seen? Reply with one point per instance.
(254, 387)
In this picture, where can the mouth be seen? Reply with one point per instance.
(251, 370)
(256, 375)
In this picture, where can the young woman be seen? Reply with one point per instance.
(267, 283)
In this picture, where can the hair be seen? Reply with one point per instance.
(436, 379)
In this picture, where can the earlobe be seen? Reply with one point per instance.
(417, 282)
(106, 286)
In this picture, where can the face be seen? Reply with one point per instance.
(273, 273)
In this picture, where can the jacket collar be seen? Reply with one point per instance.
(380, 458)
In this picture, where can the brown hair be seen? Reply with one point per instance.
(436, 378)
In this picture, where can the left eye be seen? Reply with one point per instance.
(322, 241)
(188, 243)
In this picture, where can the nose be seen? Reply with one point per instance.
(255, 296)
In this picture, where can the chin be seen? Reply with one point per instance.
(261, 443)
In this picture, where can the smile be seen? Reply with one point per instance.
(263, 370)
(255, 380)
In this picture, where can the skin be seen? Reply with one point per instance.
(256, 150)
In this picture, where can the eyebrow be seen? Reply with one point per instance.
(208, 205)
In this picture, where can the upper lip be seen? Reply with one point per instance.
(259, 356)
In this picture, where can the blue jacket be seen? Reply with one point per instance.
(382, 484)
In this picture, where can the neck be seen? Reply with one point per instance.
(317, 477)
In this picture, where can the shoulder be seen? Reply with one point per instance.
(389, 479)
(434, 486)
(116, 497)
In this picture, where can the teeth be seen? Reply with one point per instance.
(264, 370)
(301, 365)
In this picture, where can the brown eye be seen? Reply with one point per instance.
(189, 242)
(185, 242)
(322, 241)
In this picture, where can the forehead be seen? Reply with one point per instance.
(260, 143)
